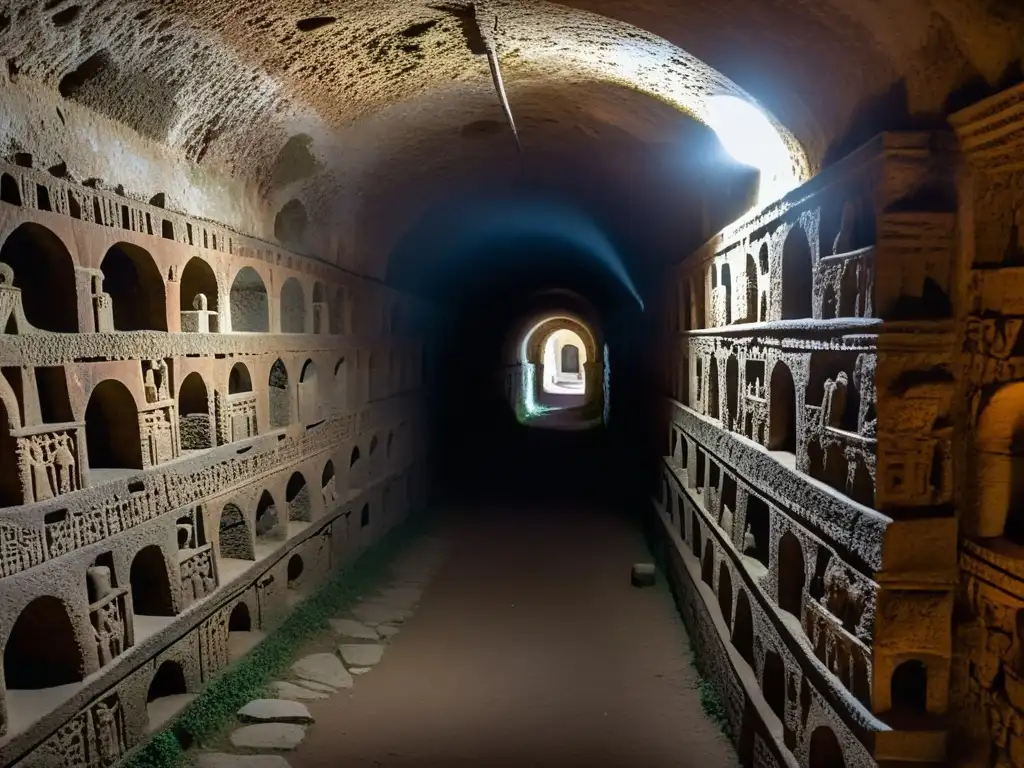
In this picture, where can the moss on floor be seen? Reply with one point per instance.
(248, 678)
(710, 701)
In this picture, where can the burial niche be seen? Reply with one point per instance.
(112, 427)
(309, 395)
(909, 687)
(280, 396)
(136, 289)
(42, 650)
(300, 505)
(825, 751)
(151, 586)
(235, 537)
(792, 578)
(295, 569)
(743, 628)
(797, 275)
(782, 413)
(197, 279)
(293, 307)
(194, 414)
(250, 308)
(45, 273)
(268, 520)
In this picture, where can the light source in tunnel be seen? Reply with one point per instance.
(747, 134)
(564, 359)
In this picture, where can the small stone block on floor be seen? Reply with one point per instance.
(323, 668)
(362, 654)
(643, 574)
(275, 711)
(352, 628)
(268, 736)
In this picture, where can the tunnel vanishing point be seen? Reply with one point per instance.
(767, 250)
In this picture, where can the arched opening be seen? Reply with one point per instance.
(743, 628)
(239, 380)
(782, 410)
(136, 289)
(309, 395)
(167, 695)
(300, 505)
(112, 428)
(341, 383)
(280, 396)
(825, 751)
(570, 359)
(250, 308)
(792, 578)
(707, 564)
(354, 457)
(727, 286)
(290, 223)
(337, 313)
(751, 313)
(293, 307)
(725, 593)
(45, 273)
(194, 421)
(328, 484)
(732, 392)
(235, 537)
(364, 516)
(909, 687)
(1000, 465)
(564, 357)
(797, 275)
(197, 278)
(295, 568)
(758, 526)
(9, 191)
(240, 620)
(169, 680)
(151, 586)
(713, 410)
(321, 314)
(268, 520)
(773, 683)
(42, 651)
(373, 446)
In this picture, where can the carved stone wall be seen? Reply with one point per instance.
(809, 479)
(166, 388)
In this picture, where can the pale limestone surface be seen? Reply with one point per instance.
(224, 760)
(353, 629)
(275, 711)
(296, 692)
(282, 736)
(325, 668)
(361, 654)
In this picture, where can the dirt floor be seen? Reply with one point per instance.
(529, 648)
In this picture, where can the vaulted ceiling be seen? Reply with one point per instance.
(368, 111)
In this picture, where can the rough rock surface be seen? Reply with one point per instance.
(282, 736)
(225, 760)
(323, 668)
(361, 654)
(296, 692)
(353, 629)
(275, 711)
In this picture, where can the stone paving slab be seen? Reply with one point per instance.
(386, 630)
(359, 670)
(374, 613)
(361, 654)
(225, 760)
(352, 628)
(287, 690)
(323, 668)
(275, 711)
(315, 686)
(268, 736)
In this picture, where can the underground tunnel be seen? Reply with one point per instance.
(361, 362)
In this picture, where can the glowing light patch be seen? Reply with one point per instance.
(747, 134)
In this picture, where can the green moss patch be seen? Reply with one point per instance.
(248, 678)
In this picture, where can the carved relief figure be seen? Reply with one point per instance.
(834, 402)
(47, 466)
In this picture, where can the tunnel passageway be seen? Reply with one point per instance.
(529, 647)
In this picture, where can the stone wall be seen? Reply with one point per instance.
(177, 436)
(808, 483)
